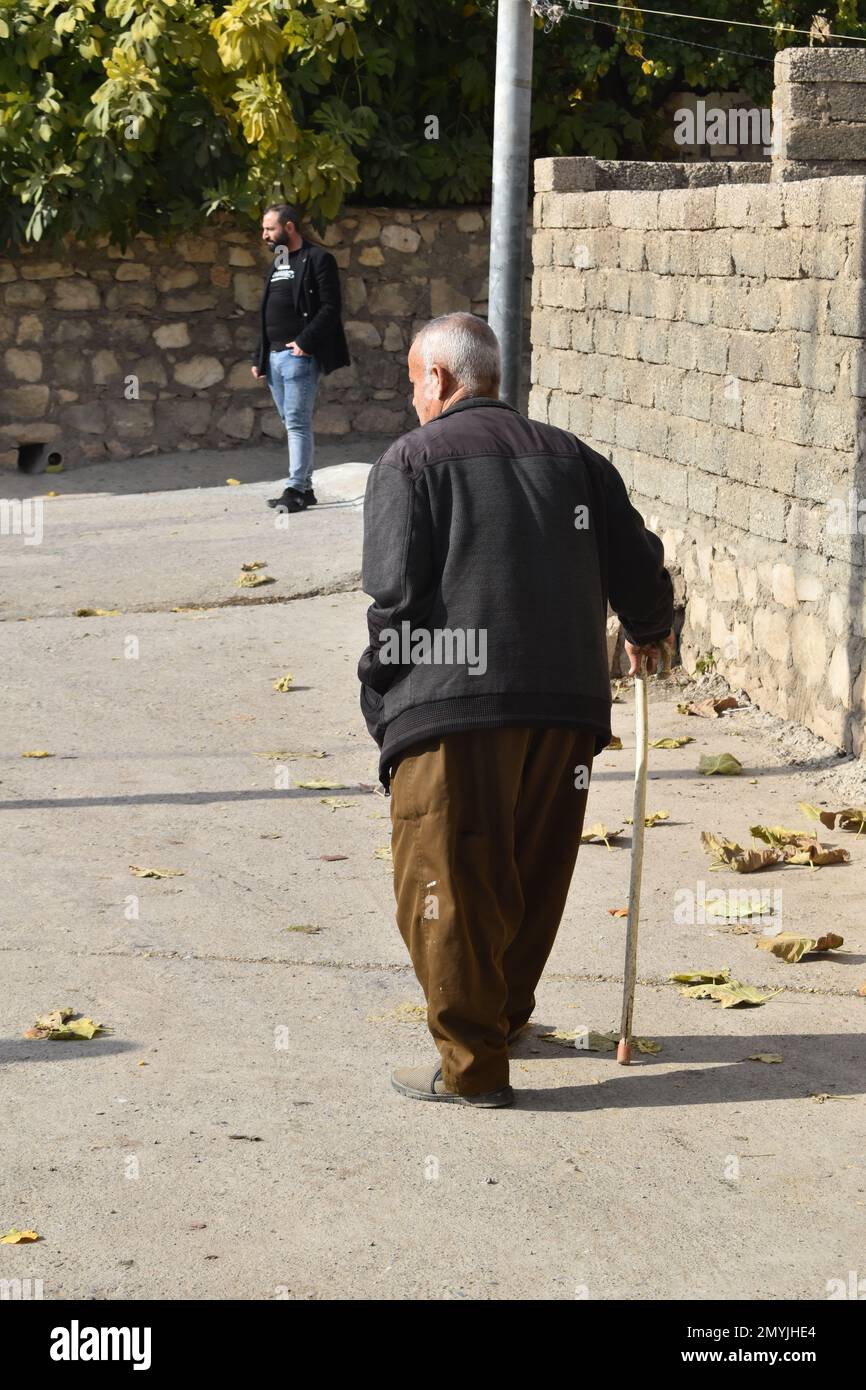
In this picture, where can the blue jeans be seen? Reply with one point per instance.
(293, 382)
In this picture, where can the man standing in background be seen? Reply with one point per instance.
(301, 339)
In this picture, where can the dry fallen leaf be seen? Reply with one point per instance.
(768, 1057)
(336, 803)
(777, 835)
(652, 819)
(708, 709)
(614, 746)
(583, 1041)
(306, 927)
(730, 994)
(383, 853)
(731, 912)
(333, 858)
(407, 1012)
(37, 753)
(671, 742)
(289, 754)
(61, 1026)
(97, 612)
(233, 482)
(254, 581)
(728, 854)
(254, 565)
(815, 855)
(14, 1237)
(598, 833)
(618, 911)
(724, 763)
(851, 818)
(155, 873)
(790, 947)
(711, 977)
(285, 682)
(321, 785)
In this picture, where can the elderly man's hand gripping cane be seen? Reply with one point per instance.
(642, 662)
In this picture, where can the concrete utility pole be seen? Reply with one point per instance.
(511, 112)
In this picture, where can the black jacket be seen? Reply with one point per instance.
(483, 521)
(318, 300)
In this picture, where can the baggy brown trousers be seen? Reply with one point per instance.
(486, 826)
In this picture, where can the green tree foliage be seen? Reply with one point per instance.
(600, 79)
(126, 115)
(131, 115)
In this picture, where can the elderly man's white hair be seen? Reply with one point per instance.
(465, 346)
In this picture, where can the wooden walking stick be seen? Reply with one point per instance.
(623, 1051)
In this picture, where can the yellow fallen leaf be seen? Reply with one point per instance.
(407, 1012)
(652, 819)
(768, 1057)
(306, 927)
(815, 855)
(37, 753)
(52, 494)
(233, 482)
(671, 742)
(285, 682)
(731, 994)
(288, 754)
(614, 746)
(383, 853)
(728, 854)
(708, 709)
(321, 785)
(60, 1026)
(97, 612)
(254, 581)
(618, 911)
(14, 1237)
(777, 836)
(155, 873)
(76, 1028)
(724, 763)
(336, 803)
(851, 818)
(254, 565)
(583, 1041)
(710, 977)
(598, 833)
(791, 947)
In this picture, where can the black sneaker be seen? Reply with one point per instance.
(291, 501)
(310, 497)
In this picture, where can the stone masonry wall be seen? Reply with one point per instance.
(110, 354)
(710, 341)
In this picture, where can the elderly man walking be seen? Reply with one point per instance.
(492, 545)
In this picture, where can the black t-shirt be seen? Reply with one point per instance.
(282, 319)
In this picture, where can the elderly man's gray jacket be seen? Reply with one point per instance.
(492, 545)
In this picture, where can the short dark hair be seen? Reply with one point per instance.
(285, 213)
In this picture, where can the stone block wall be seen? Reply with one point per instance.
(819, 113)
(710, 341)
(111, 354)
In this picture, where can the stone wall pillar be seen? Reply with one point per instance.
(819, 113)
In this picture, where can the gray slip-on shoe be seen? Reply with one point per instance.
(425, 1083)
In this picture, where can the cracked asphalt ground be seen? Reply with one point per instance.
(235, 1135)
